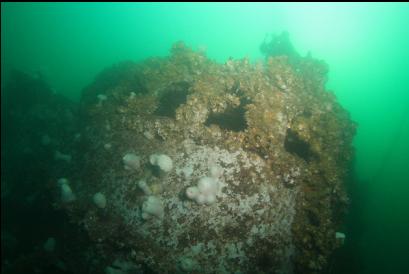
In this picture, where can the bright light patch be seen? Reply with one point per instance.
(324, 28)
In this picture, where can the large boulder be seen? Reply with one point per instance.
(274, 141)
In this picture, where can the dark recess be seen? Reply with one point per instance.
(232, 119)
(173, 97)
(294, 145)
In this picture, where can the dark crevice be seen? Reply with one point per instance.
(172, 98)
(313, 218)
(266, 262)
(307, 113)
(231, 119)
(293, 144)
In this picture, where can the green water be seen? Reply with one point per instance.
(365, 45)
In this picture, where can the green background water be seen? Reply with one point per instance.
(366, 46)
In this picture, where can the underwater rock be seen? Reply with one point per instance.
(278, 45)
(37, 124)
(279, 154)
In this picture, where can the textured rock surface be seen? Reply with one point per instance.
(281, 142)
